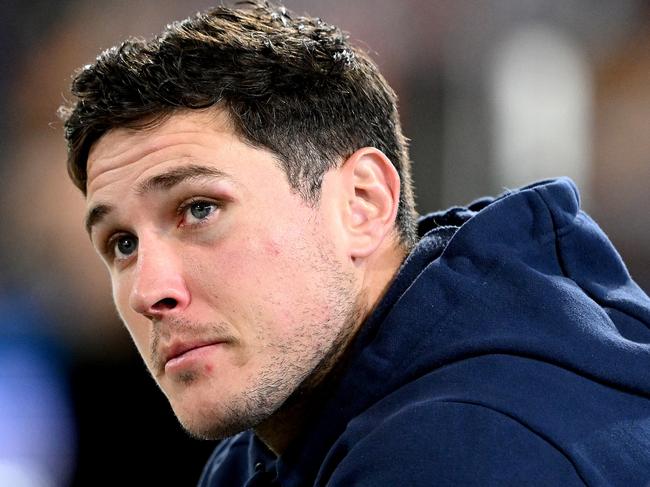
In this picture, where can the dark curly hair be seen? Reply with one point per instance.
(290, 84)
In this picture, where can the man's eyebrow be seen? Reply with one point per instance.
(177, 175)
(159, 182)
(97, 214)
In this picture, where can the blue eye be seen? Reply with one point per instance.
(201, 209)
(125, 245)
(198, 211)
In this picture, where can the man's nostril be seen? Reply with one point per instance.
(166, 303)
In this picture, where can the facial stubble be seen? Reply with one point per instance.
(293, 371)
(287, 381)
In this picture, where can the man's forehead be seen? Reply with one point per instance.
(120, 147)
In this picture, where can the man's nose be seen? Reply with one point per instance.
(158, 286)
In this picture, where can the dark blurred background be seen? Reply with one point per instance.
(494, 94)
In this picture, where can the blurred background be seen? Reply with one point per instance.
(493, 93)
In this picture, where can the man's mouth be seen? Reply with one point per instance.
(181, 354)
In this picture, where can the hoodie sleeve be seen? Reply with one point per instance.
(453, 444)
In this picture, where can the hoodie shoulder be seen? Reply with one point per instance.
(453, 443)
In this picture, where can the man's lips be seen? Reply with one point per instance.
(179, 348)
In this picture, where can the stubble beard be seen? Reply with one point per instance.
(292, 374)
(288, 386)
(294, 369)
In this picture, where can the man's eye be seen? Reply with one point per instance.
(199, 210)
(125, 245)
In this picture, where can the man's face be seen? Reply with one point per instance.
(233, 288)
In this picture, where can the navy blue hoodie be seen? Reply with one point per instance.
(512, 348)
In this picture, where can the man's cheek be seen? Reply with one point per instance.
(140, 336)
(136, 324)
(120, 301)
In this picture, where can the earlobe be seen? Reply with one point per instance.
(372, 188)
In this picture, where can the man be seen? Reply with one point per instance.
(248, 188)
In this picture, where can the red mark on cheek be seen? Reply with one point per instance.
(272, 248)
(208, 368)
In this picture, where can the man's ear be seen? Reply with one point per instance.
(372, 187)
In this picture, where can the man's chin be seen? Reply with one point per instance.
(216, 422)
(211, 432)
